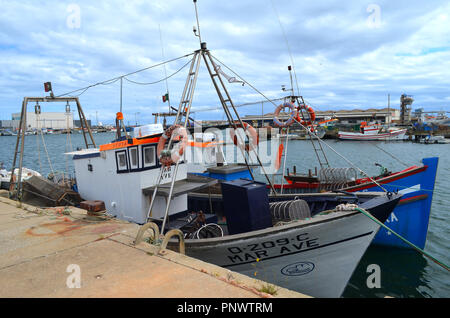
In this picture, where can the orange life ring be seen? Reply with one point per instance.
(312, 115)
(169, 157)
(290, 121)
(253, 135)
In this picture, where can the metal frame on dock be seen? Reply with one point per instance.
(17, 185)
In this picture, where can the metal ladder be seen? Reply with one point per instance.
(183, 109)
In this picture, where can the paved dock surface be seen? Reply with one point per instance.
(41, 251)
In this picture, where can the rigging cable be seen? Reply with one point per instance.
(391, 155)
(161, 80)
(305, 128)
(237, 106)
(115, 79)
(287, 44)
(421, 251)
(165, 70)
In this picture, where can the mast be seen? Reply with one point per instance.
(185, 108)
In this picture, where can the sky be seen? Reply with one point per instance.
(346, 54)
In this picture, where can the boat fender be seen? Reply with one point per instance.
(169, 157)
(291, 119)
(311, 112)
(279, 156)
(253, 136)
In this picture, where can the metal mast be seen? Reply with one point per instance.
(185, 107)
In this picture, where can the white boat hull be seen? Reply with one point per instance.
(393, 135)
(315, 257)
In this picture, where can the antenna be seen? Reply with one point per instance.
(292, 82)
(198, 24)
(165, 69)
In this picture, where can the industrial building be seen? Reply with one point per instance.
(350, 117)
(51, 120)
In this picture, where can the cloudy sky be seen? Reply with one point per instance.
(347, 54)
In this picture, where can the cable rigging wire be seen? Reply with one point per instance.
(115, 79)
(161, 80)
(305, 128)
(287, 44)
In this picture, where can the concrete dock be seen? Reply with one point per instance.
(52, 253)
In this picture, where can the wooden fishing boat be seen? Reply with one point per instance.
(370, 132)
(410, 218)
(313, 250)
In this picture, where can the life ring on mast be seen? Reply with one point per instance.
(291, 119)
(169, 157)
(253, 136)
(311, 112)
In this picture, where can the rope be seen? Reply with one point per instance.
(287, 44)
(161, 80)
(306, 129)
(165, 69)
(236, 106)
(391, 155)
(336, 152)
(37, 142)
(237, 75)
(366, 213)
(115, 79)
(45, 147)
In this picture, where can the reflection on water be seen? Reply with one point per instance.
(402, 274)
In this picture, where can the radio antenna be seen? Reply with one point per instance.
(165, 69)
(198, 23)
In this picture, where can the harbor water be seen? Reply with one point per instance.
(404, 273)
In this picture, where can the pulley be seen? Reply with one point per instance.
(37, 109)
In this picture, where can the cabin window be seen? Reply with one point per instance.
(121, 161)
(149, 156)
(134, 158)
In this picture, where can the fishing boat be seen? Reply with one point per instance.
(5, 176)
(309, 243)
(410, 218)
(434, 140)
(301, 242)
(374, 131)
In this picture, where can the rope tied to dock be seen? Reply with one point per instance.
(370, 216)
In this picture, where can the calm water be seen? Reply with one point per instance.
(404, 273)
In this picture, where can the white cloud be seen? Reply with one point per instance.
(340, 61)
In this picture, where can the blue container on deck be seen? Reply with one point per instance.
(246, 206)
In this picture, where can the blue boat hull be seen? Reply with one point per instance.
(411, 216)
